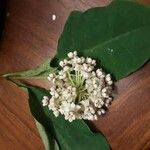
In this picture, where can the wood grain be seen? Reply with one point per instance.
(31, 36)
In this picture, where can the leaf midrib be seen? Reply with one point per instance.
(115, 38)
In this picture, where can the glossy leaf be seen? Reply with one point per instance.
(70, 136)
(47, 137)
(117, 36)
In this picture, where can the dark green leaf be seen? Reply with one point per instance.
(70, 136)
(48, 140)
(47, 137)
(117, 36)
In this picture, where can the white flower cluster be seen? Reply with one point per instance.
(79, 91)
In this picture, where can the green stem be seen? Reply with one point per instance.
(69, 76)
(83, 90)
(34, 77)
(18, 77)
(77, 80)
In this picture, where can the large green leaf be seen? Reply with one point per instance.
(117, 36)
(41, 71)
(70, 136)
(48, 140)
(47, 137)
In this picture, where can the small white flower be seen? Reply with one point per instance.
(65, 61)
(79, 91)
(99, 112)
(82, 59)
(99, 72)
(104, 90)
(70, 55)
(103, 111)
(50, 77)
(108, 77)
(88, 60)
(95, 117)
(85, 66)
(45, 101)
(110, 82)
(90, 69)
(61, 63)
(66, 68)
(75, 53)
(86, 75)
(93, 62)
(56, 113)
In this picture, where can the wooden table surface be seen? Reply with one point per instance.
(31, 36)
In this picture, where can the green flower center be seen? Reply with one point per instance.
(76, 80)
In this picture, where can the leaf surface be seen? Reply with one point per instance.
(70, 136)
(117, 36)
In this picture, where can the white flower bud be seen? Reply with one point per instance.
(79, 60)
(54, 80)
(108, 78)
(95, 117)
(104, 90)
(52, 92)
(95, 85)
(110, 99)
(88, 60)
(85, 66)
(86, 75)
(66, 68)
(110, 83)
(45, 102)
(50, 77)
(52, 89)
(65, 61)
(99, 72)
(70, 55)
(75, 53)
(91, 110)
(56, 95)
(102, 103)
(106, 105)
(61, 63)
(89, 69)
(103, 76)
(93, 62)
(103, 111)
(95, 92)
(91, 117)
(60, 72)
(104, 95)
(99, 112)
(82, 59)
(56, 113)
(93, 74)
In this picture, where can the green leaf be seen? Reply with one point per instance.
(39, 72)
(48, 140)
(117, 36)
(69, 136)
